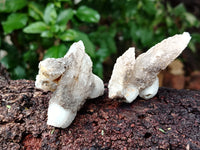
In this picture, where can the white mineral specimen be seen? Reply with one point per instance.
(72, 81)
(132, 77)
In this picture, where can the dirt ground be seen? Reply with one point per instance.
(170, 120)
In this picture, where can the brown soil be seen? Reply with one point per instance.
(171, 120)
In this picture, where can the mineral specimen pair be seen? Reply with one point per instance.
(73, 82)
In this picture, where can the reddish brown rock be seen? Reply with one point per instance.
(173, 76)
(4, 76)
(32, 143)
(194, 81)
(170, 120)
(173, 81)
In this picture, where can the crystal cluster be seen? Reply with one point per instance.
(132, 77)
(72, 81)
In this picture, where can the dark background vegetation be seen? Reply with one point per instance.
(46, 28)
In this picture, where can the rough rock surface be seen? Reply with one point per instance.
(170, 120)
(4, 75)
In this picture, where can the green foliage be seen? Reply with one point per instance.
(50, 26)
(90, 49)
(36, 27)
(12, 5)
(50, 14)
(56, 51)
(14, 21)
(64, 16)
(144, 22)
(43, 29)
(35, 10)
(69, 35)
(86, 14)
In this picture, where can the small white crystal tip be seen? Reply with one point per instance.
(151, 91)
(131, 94)
(98, 89)
(186, 34)
(59, 117)
(186, 38)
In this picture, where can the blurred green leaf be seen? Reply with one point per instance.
(134, 32)
(102, 54)
(47, 42)
(64, 0)
(196, 37)
(35, 10)
(169, 8)
(54, 28)
(104, 38)
(56, 51)
(89, 46)
(19, 72)
(14, 21)
(33, 46)
(30, 56)
(50, 14)
(64, 16)
(47, 34)
(69, 35)
(179, 10)
(146, 36)
(87, 14)
(57, 4)
(36, 27)
(62, 28)
(12, 59)
(169, 21)
(149, 6)
(142, 35)
(111, 45)
(98, 69)
(6, 62)
(192, 46)
(12, 5)
(191, 19)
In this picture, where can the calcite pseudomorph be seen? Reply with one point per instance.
(132, 77)
(72, 81)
